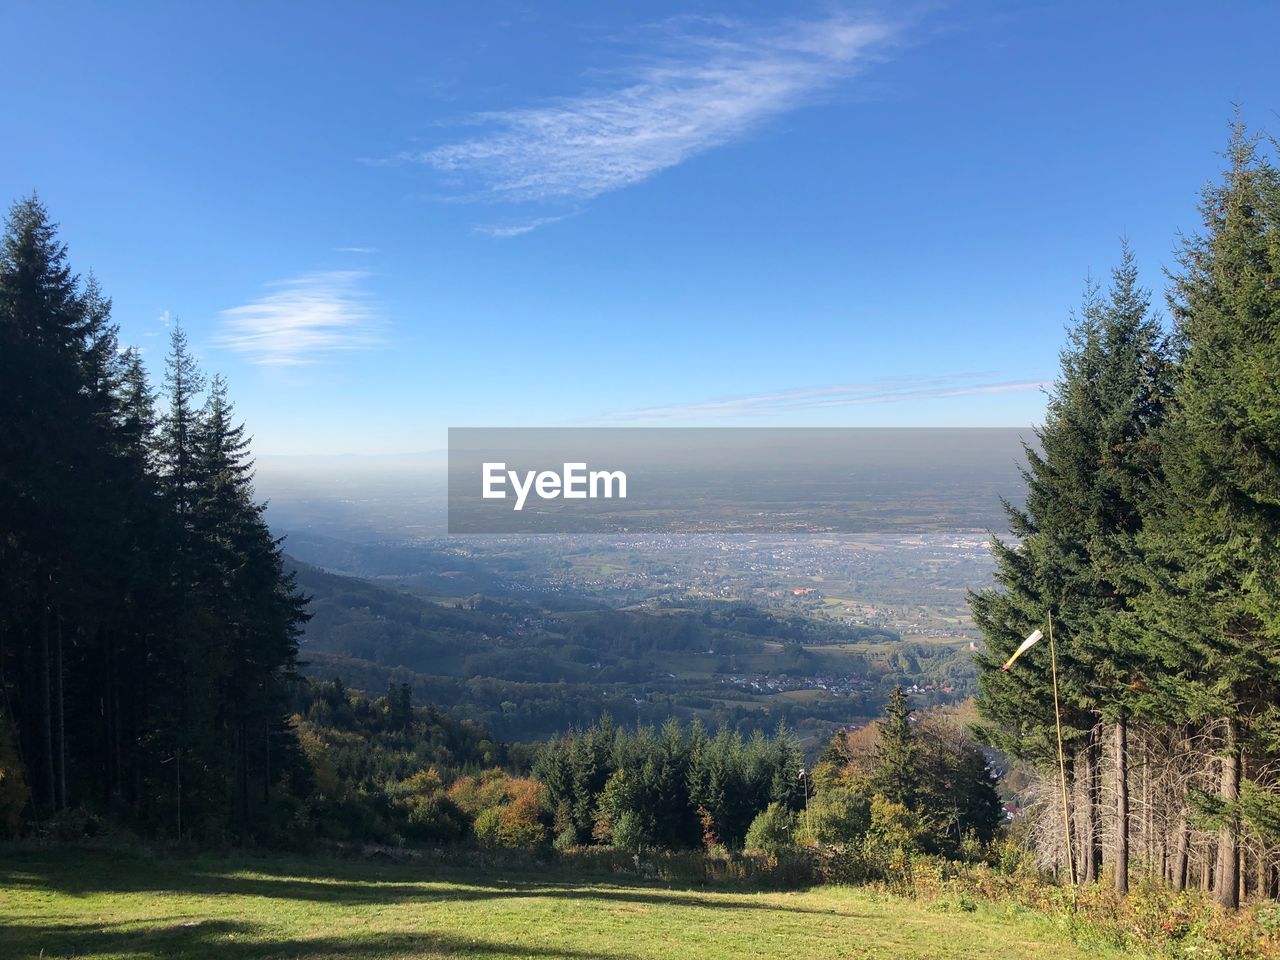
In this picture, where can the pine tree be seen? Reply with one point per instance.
(1212, 613)
(897, 772)
(1087, 490)
(46, 457)
(1131, 395)
(180, 425)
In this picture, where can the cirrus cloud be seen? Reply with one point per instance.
(303, 319)
(702, 88)
(802, 399)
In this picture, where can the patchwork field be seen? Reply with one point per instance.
(96, 904)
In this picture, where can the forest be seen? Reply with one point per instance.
(1150, 545)
(148, 629)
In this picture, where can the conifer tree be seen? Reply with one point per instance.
(145, 613)
(44, 455)
(897, 770)
(180, 425)
(1128, 402)
(1212, 614)
(1087, 489)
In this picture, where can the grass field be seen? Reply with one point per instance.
(97, 904)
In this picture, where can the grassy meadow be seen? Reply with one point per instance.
(106, 904)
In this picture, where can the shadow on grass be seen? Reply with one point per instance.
(181, 938)
(77, 873)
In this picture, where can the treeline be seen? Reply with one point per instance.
(148, 631)
(1151, 537)
(674, 788)
(893, 788)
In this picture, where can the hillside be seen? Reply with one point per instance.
(527, 669)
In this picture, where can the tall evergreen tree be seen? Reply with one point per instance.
(897, 768)
(1212, 614)
(45, 456)
(1087, 492)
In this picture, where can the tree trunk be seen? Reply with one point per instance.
(1242, 887)
(244, 773)
(60, 718)
(1082, 802)
(1148, 813)
(266, 776)
(1090, 844)
(1227, 871)
(46, 725)
(1122, 806)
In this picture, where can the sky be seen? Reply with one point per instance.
(379, 220)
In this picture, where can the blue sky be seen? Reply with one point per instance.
(380, 220)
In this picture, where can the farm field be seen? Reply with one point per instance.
(108, 905)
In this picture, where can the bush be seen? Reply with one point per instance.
(434, 817)
(487, 828)
(628, 833)
(566, 840)
(509, 811)
(474, 795)
(772, 830)
(838, 815)
(894, 827)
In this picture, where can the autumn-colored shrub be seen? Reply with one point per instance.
(505, 811)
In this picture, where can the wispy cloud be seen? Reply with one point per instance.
(708, 83)
(504, 230)
(303, 319)
(826, 397)
(355, 249)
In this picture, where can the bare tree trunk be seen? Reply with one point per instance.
(60, 717)
(51, 788)
(1122, 806)
(1226, 889)
(1093, 785)
(1085, 768)
(1148, 813)
(244, 773)
(1263, 881)
(1242, 887)
(266, 776)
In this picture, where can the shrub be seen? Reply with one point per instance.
(566, 840)
(628, 833)
(436, 817)
(894, 827)
(487, 827)
(838, 815)
(508, 811)
(772, 830)
(474, 795)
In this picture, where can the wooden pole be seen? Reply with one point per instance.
(1062, 757)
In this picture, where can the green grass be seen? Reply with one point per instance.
(97, 904)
